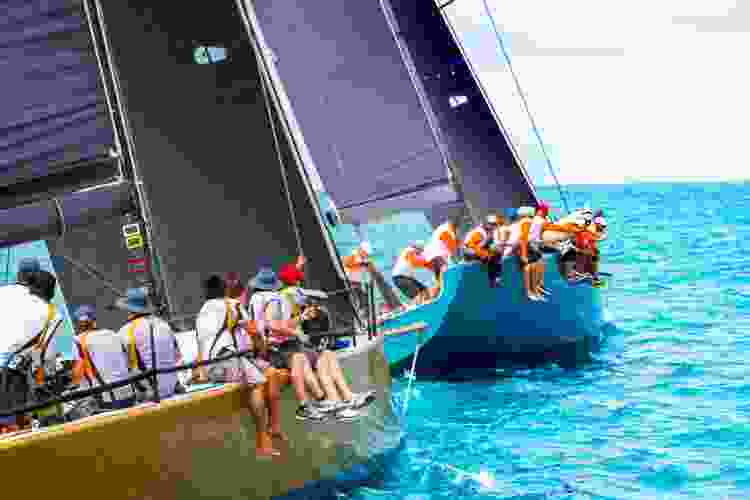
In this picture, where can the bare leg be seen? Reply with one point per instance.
(541, 275)
(300, 361)
(257, 406)
(298, 377)
(527, 280)
(324, 375)
(276, 380)
(334, 370)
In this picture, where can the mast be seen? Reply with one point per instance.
(137, 227)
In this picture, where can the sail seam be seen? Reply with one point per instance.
(442, 181)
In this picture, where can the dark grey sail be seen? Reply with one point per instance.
(365, 126)
(205, 155)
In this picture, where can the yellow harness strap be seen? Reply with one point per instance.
(43, 342)
(132, 347)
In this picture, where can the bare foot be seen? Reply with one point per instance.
(267, 452)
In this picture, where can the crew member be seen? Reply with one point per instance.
(404, 272)
(442, 247)
(478, 246)
(356, 265)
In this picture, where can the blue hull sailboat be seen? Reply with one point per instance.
(398, 122)
(470, 325)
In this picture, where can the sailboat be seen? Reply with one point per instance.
(156, 153)
(396, 122)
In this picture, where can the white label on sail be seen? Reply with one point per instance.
(457, 100)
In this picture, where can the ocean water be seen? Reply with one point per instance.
(662, 412)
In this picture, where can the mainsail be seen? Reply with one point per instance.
(205, 154)
(363, 123)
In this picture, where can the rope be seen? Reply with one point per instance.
(277, 147)
(412, 374)
(525, 103)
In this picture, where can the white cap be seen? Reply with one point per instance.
(526, 212)
(491, 219)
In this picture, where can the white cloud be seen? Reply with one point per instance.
(619, 89)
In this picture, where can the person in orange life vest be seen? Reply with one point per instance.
(99, 359)
(478, 246)
(356, 265)
(403, 273)
(439, 251)
(598, 230)
(585, 246)
(538, 223)
(528, 254)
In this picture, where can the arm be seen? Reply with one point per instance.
(524, 241)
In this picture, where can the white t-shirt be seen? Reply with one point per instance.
(23, 317)
(281, 309)
(166, 349)
(108, 358)
(211, 322)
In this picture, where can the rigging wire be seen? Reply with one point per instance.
(499, 39)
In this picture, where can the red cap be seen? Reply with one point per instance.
(543, 208)
(290, 275)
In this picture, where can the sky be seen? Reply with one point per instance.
(621, 91)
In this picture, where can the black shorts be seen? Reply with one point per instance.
(535, 253)
(436, 264)
(279, 356)
(409, 286)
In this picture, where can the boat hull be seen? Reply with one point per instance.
(471, 325)
(202, 445)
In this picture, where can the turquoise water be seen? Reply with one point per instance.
(662, 412)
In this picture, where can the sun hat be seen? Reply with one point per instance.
(135, 301)
(266, 280)
(291, 275)
(85, 312)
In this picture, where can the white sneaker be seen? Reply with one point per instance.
(347, 415)
(362, 399)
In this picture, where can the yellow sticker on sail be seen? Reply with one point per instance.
(135, 241)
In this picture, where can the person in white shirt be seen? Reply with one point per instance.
(143, 329)
(221, 328)
(25, 315)
(98, 360)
